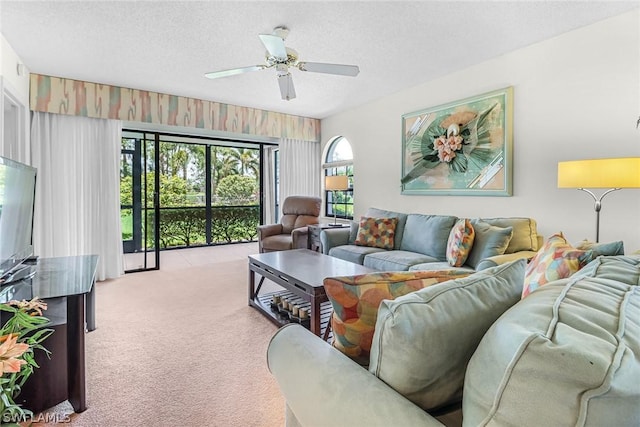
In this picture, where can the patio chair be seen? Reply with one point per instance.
(291, 232)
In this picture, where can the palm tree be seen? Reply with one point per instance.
(197, 166)
(223, 165)
(173, 159)
(248, 160)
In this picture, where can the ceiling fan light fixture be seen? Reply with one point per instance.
(281, 58)
(282, 69)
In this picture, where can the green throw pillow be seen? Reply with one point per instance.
(424, 340)
(355, 301)
(489, 241)
(604, 249)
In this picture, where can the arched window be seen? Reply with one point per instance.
(339, 161)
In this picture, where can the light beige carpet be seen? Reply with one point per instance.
(180, 347)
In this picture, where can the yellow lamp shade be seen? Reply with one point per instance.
(600, 173)
(336, 182)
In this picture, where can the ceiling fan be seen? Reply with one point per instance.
(280, 57)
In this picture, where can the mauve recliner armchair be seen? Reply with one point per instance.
(291, 232)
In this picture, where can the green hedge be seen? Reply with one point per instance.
(184, 227)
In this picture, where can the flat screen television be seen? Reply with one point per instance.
(17, 197)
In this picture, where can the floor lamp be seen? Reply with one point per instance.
(335, 183)
(613, 174)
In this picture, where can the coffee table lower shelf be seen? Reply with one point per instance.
(263, 303)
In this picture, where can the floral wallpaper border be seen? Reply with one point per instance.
(79, 98)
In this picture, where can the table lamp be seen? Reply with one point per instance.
(335, 183)
(613, 174)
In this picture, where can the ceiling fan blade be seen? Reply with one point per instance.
(233, 71)
(274, 45)
(318, 67)
(286, 87)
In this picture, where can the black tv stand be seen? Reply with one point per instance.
(67, 285)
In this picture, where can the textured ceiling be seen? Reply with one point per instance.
(167, 46)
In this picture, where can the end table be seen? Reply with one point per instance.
(313, 236)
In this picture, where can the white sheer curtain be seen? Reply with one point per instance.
(268, 184)
(299, 168)
(77, 208)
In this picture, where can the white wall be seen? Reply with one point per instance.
(9, 71)
(14, 105)
(576, 96)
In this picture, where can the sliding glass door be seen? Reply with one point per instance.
(183, 197)
(139, 201)
(209, 193)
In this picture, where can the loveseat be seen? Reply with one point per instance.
(420, 242)
(471, 352)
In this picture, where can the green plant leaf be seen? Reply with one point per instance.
(28, 330)
(40, 335)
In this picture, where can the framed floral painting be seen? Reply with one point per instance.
(461, 148)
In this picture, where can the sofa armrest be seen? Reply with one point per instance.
(492, 261)
(332, 237)
(323, 387)
(269, 230)
(299, 237)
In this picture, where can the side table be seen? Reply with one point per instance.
(67, 285)
(313, 236)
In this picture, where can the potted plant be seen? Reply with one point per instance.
(19, 337)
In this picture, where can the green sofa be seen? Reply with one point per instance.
(470, 352)
(420, 242)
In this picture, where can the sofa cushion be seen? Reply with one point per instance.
(525, 234)
(355, 301)
(278, 242)
(501, 259)
(605, 249)
(402, 219)
(299, 211)
(438, 265)
(617, 268)
(427, 234)
(557, 259)
(395, 260)
(460, 242)
(565, 355)
(423, 341)
(489, 241)
(376, 232)
(353, 253)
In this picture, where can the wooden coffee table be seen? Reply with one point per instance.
(301, 273)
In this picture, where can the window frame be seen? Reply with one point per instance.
(343, 198)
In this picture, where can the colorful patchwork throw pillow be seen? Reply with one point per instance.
(460, 242)
(355, 301)
(376, 232)
(557, 259)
